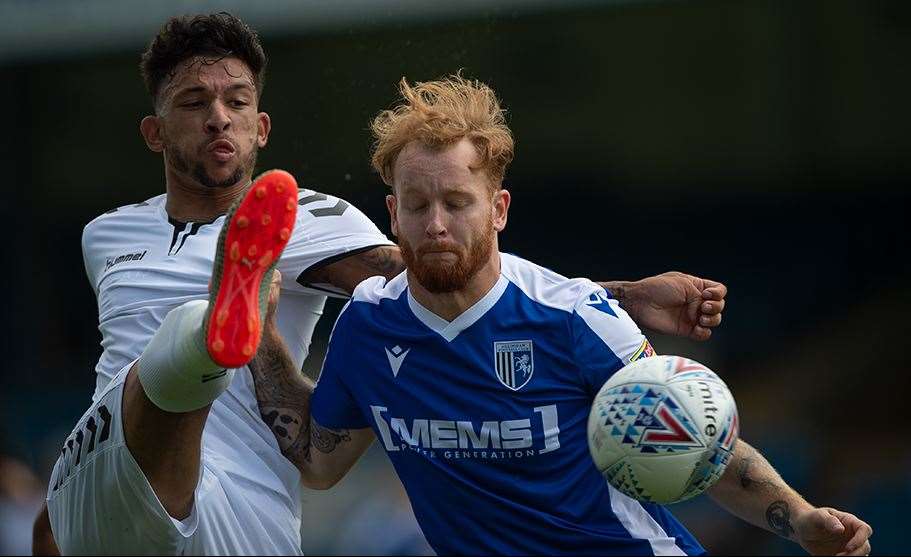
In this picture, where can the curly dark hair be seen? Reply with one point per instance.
(217, 35)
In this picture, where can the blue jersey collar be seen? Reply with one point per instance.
(450, 330)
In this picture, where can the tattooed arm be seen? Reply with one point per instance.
(322, 455)
(350, 271)
(670, 303)
(751, 489)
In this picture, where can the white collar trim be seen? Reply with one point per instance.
(451, 329)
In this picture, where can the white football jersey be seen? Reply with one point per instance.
(142, 264)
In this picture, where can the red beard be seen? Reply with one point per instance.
(442, 276)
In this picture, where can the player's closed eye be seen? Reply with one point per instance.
(415, 207)
(457, 203)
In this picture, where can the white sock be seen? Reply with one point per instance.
(175, 369)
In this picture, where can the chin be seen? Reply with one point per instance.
(223, 177)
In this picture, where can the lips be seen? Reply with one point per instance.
(438, 253)
(222, 149)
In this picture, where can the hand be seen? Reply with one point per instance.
(676, 304)
(826, 531)
(274, 293)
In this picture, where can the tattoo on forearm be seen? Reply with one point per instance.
(778, 516)
(286, 424)
(283, 394)
(386, 261)
(752, 478)
(743, 471)
(325, 440)
(616, 289)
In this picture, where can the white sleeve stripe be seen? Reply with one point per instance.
(641, 525)
(620, 334)
(543, 285)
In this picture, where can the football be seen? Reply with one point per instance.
(662, 429)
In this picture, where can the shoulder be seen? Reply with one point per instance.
(148, 207)
(366, 307)
(546, 287)
(322, 217)
(321, 210)
(121, 223)
(376, 289)
(314, 204)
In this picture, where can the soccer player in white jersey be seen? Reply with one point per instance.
(189, 461)
(476, 369)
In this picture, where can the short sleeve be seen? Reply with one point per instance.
(332, 404)
(605, 338)
(327, 229)
(91, 254)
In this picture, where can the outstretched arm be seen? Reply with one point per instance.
(751, 489)
(670, 303)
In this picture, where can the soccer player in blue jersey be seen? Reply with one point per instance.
(476, 369)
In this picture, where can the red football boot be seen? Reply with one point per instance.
(256, 230)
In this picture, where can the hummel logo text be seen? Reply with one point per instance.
(111, 261)
(396, 357)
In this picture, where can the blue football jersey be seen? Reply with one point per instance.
(484, 418)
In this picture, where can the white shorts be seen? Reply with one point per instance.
(100, 502)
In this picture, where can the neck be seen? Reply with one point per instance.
(189, 201)
(450, 305)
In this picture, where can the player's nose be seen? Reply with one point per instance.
(218, 119)
(435, 222)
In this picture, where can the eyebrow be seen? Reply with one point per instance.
(201, 89)
(450, 189)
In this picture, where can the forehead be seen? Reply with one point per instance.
(455, 166)
(208, 73)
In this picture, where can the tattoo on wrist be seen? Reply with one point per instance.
(778, 515)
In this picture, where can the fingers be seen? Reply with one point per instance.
(864, 549)
(860, 537)
(713, 290)
(710, 320)
(711, 308)
(700, 333)
(274, 292)
(859, 543)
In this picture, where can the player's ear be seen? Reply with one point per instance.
(150, 128)
(392, 205)
(501, 200)
(264, 126)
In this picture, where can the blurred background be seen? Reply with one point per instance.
(760, 143)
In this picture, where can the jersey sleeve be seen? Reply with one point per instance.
(91, 254)
(605, 338)
(327, 229)
(332, 404)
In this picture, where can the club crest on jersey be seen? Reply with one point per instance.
(514, 362)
